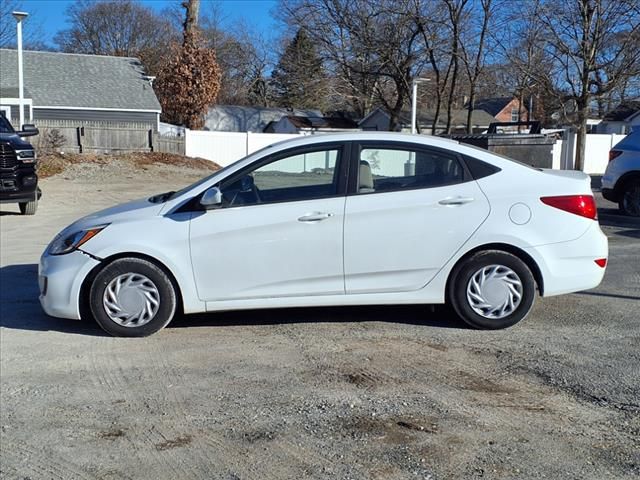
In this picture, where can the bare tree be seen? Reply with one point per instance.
(120, 28)
(474, 61)
(432, 21)
(32, 30)
(594, 45)
(373, 44)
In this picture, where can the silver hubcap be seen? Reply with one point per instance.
(631, 200)
(494, 291)
(131, 300)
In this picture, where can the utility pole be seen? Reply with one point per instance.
(20, 16)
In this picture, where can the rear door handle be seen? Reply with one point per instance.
(453, 201)
(315, 217)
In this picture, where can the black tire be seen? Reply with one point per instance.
(629, 203)
(166, 296)
(28, 208)
(460, 282)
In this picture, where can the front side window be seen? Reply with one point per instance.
(383, 170)
(298, 177)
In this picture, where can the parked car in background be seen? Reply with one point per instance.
(621, 180)
(325, 220)
(18, 177)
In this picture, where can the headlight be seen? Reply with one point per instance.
(68, 243)
(27, 156)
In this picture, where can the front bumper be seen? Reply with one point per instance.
(568, 267)
(60, 278)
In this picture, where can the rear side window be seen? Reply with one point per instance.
(478, 168)
(385, 169)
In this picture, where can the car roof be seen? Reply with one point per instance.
(367, 136)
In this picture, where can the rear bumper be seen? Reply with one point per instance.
(570, 266)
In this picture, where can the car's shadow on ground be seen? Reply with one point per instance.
(20, 309)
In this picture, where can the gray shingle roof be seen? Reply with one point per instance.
(623, 111)
(75, 80)
(458, 117)
(12, 92)
(493, 106)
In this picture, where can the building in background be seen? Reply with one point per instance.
(68, 88)
(378, 120)
(310, 125)
(622, 119)
(238, 118)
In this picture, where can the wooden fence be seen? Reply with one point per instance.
(102, 137)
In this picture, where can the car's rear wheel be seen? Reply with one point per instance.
(132, 297)
(630, 199)
(28, 208)
(492, 290)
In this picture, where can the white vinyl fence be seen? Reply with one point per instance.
(225, 148)
(596, 152)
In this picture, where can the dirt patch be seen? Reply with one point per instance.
(388, 429)
(180, 441)
(111, 434)
(50, 164)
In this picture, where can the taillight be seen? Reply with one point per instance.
(601, 262)
(614, 153)
(583, 205)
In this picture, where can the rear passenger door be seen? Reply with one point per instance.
(409, 210)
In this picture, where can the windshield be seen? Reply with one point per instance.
(170, 195)
(5, 126)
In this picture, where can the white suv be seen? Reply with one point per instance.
(621, 180)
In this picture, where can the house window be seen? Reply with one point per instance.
(515, 114)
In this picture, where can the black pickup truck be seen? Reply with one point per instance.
(18, 177)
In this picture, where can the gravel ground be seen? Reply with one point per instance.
(336, 393)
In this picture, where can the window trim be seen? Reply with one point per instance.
(356, 150)
(342, 169)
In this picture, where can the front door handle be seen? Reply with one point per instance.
(453, 201)
(315, 217)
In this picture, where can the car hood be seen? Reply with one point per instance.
(124, 212)
(16, 142)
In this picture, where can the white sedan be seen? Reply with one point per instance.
(346, 219)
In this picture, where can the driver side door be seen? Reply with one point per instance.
(278, 232)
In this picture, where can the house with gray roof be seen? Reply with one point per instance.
(78, 88)
(310, 125)
(622, 119)
(379, 119)
(237, 118)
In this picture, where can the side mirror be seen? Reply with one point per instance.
(211, 198)
(28, 130)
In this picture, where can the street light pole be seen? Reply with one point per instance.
(20, 16)
(414, 101)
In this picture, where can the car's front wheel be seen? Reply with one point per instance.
(630, 199)
(492, 290)
(132, 297)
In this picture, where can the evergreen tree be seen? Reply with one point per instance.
(299, 81)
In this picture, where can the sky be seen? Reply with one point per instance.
(50, 15)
